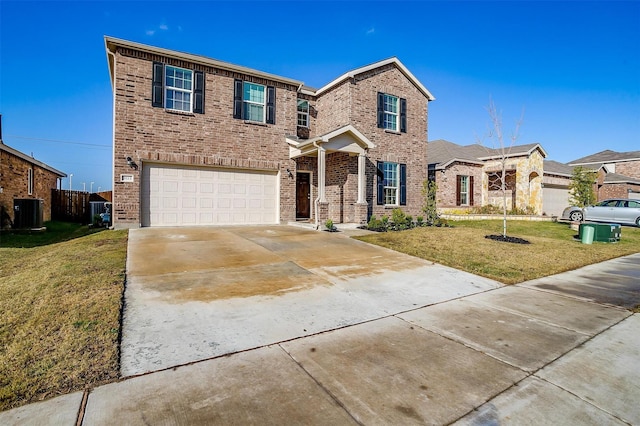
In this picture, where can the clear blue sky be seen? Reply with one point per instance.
(573, 66)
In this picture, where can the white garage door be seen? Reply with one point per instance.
(554, 200)
(190, 196)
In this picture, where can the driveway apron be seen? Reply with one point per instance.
(198, 293)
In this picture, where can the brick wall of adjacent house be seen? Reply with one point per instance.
(354, 102)
(14, 183)
(556, 181)
(629, 168)
(447, 185)
(214, 138)
(616, 190)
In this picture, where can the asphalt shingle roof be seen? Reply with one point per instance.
(607, 156)
(557, 168)
(441, 151)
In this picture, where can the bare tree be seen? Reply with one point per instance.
(496, 136)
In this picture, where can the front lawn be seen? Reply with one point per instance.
(60, 297)
(553, 248)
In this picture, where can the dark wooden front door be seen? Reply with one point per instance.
(303, 196)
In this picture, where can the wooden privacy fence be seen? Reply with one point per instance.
(70, 206)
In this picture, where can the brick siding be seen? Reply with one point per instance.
(215, 138)
(14, 183)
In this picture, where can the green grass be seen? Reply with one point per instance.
(553, 248)
(60, 298)
(56, 232)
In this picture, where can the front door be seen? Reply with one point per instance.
(303, 196)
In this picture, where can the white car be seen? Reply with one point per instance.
(615, 210)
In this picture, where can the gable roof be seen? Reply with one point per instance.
(25, 157)
(618, 178)
(111, 43)
(393, 60)
(606, 156)
(556, 168)
(442, 153)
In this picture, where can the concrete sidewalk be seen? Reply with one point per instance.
(523, 354)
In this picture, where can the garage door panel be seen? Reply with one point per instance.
(555, 200)
(174, 196)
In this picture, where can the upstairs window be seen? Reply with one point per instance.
(254, 102)
(30, 180)
(303, 113)
(178, 84)
(392, 113)
(390, 107)
(392, 187)
(177, 89)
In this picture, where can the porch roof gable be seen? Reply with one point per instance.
(343, 139)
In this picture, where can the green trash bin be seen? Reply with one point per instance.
(587, 234)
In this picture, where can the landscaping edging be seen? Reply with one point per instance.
(530, 218)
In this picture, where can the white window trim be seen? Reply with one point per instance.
(177, 89)
(386, 112)
(263, 103)
(305, 114)
(30, 180)
(397, 184)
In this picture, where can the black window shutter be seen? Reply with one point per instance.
(271, 105)
(380, 182)
(198, 93)
(403, 115)
(470, 190)
(237, 99)
(380, 110)
(403, 184)
(157, 88)
(458, 188)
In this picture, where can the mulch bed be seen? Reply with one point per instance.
(507, 239)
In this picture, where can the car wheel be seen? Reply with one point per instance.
(638, 222)
(576, 216)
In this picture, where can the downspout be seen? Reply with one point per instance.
(317, 200)
(113, 130)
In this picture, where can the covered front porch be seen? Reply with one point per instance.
(331, 176)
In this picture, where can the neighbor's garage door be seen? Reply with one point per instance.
(185, 196)
(554, 200)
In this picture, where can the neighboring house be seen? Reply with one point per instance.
(555, 187)
(201, 142)
(468, 176)
(618, 173)
(24, 177)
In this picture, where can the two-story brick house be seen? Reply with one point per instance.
(202, 142)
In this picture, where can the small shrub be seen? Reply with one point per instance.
(419, 221)
(399, 220)
(376, 225)
(329, 225)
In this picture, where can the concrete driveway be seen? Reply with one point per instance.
(198, 293)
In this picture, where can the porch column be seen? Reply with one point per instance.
(362, 178)
(321, 174)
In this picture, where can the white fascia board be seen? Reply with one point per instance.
(111, 42)
(604, 162)
(375, 65)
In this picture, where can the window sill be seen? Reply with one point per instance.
(391, 206)
(256, 123)
(178, 112)
(393, 132)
